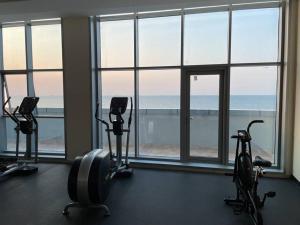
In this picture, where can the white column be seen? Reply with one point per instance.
(77, 85)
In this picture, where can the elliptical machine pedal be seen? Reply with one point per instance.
(26, 170)
(124, 173)
(27, 124)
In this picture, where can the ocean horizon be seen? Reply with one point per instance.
(198, 102)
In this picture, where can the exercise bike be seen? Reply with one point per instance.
(245, 176)
(27, 124)
(90, 175)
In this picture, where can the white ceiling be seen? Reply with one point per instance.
(15, 10)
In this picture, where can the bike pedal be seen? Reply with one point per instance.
(237, 211)
(229, 174)
(271, 194)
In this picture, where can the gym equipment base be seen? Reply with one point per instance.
(26, 170)
(78, 205)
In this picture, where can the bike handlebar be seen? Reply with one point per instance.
(253, 122)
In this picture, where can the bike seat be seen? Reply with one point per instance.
(259, 161)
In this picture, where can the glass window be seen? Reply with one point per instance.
(117, 84)
(253, 96)
(206, 38)
(51, 135)
(159, 113)
(48, 86)
(117, 43)
(204, 115)
(46, 42)
(255, 35)
(14, 56)
(47, 47)
(159, 41)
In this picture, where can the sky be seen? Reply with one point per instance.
(254, 39)
(46, 52)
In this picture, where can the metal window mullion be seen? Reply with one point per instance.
(209, 9)
(1, 73)
(257, 5)
(225, 116)
(1, 50)
(136, 88)
(281, 79)
(45, 22)
(46, 70)
(221, 137)
(29, 60)
(139, 68)
(229, 36)
(183, 107)
(33, 23)
(226, 95)
(158, 14)
(30, 142)
(98, 80)
(3, 133)
(14, 24)
(182, 39)
(180, 66)
(93, 80)
(116, 18)
(14, 72)
(255, 64)
(184, 115)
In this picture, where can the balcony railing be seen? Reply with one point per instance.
(159, 132)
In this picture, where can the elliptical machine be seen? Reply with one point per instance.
(246, 179)
(118, 106)
(90, 175)
(28, 125)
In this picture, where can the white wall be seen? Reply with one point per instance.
(296, 159)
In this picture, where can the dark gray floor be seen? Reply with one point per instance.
(148, 198)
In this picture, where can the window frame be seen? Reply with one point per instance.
(135, 16)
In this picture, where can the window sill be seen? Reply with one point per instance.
(196, 167)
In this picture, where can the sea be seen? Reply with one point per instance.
(201, 102)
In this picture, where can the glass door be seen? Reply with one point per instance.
(204, 110)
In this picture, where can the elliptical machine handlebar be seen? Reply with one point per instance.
(106, 123)
(118, 115)
(98, 119)
(13, 114)
(130, 114)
